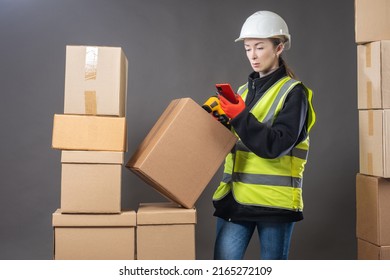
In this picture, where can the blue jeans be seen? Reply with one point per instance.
(233, 239)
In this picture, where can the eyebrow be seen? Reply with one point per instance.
(247, 45)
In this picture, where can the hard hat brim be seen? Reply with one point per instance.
(287, 44)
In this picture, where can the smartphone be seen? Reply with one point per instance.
(226, 91)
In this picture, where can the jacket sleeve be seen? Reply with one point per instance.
(286, 130)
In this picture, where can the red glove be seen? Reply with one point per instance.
(230, 109)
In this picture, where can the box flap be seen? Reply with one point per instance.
(164, 213)
(124, 219)
(92, 157)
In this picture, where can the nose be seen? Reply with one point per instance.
(253, 54)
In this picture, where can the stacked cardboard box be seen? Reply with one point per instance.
(178, 158)
(372, 30)
(165, 231)
(92, 136)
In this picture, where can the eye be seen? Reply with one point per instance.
(247, 50)
(260, 48)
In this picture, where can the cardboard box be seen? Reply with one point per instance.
(372, 21)
(373, 209)
(74, 132)
(369, 251)
(165, 231)
(95, 81)
(94, 237)
(91, 187)
(373, 73)
(374, 142)
(182, 152)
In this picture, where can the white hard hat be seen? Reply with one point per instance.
(265, 24)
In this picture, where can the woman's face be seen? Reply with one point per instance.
(262, 54)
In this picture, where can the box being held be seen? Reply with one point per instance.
(95, 81)
(91, 182)
(373, 73)
(165, 231)
(94, 237)
(182, 152)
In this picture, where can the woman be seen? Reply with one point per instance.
(262, 183)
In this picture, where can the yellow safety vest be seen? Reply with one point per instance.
(258, 181)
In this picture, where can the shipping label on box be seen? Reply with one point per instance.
(373, 209)
(94, 237)
(165, 231)
(75, 132)
(95, 81)
(182, 152)
(372, 21)
(374, 142)
(373, 70)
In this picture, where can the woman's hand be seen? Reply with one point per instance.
(230, 109)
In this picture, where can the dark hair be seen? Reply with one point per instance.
(276, 41)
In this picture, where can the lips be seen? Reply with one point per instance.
(255, 65)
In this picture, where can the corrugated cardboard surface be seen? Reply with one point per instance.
(92, 157)
(373, 68)
(94, 237)
(372, 21)
(165, 231)
(373, 209)
(96, 243)
(374, 141)
(182, 152)
(91, 188)
(164, 213)
(166, 242)
(73, 132)
(102, 93)
(369, 251)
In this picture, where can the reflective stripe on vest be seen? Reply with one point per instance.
(258, 181)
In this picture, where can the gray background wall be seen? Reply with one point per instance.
(175, 49)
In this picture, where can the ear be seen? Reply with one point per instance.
(279, 49)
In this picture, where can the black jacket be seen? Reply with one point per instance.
(288, 129)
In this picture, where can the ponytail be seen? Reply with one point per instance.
(276, 41)
(288, 69)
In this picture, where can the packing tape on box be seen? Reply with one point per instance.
(90, 102)
(368, 55)
(370, 168)
(370, 123)
(369, 94)
(91, 61)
